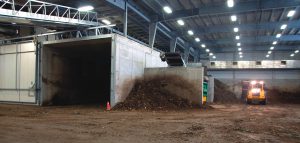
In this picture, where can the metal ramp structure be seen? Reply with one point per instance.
(44, 12)
(87, 32)
(173, 59)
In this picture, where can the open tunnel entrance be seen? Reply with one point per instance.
(77, 72)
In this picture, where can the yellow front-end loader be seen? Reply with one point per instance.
(256, 93)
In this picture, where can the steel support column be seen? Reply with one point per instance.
(125, 19)
(152, 34)
(186, 53)
(196, 56)
(173, 43)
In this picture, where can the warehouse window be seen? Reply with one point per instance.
(258, 62)
(212, 63)
(234, 63)
(283, 62)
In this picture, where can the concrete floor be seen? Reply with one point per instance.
(225, 123)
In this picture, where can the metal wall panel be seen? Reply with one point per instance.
(8, 71)
(17, 76)
(27, 70)
(255, 56)
(252, 64)
(8, 49)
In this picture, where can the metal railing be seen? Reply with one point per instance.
(47, 12)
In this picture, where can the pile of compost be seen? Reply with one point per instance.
(153, 93)
(279, 96)
(223, 94)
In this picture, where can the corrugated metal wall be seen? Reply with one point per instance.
(17, 72)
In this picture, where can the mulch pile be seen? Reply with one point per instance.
(150, 94)
(222, 93)
(279, 96)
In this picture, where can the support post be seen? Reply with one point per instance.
(152, 34)
(186, 53)
(125, 19)
(196, 56)
(173, 43)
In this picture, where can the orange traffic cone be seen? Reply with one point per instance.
(107, 106)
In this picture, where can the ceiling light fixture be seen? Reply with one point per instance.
(241, 56)
(237, 37)
(274, 43)
(239, 49)
(238, 44)
(240, 53)
(297, 51)
(283, 26)
(236, 29)
(167, 9)
(85, 8)
(190, 32)
(211, 54)
(233, 18)
(291, 13)
(214, 57)
(105, 21)
(278, 35)
(207, 50)
(180, 22)
(267, 56)
(230, 3)
(271, 48)
(292, 55)
(203, 45)
(197, 39)
(269, 52)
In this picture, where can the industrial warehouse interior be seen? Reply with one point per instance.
(151, 71)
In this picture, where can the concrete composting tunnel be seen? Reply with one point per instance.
(93, 71)
(77, 72)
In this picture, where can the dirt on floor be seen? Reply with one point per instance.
(225, 123)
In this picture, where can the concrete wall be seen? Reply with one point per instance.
(285, 80)
(211, 90)
(76, 72)
(130, 60)
(194, 76)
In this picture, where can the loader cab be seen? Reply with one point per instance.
(256, 92)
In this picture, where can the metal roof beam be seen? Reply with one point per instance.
(245, 27)
(255, 48)
(223, 9)
(120, 4)
(249, 40)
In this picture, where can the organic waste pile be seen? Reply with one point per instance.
(279, 96)
(152, 94)
(222, 93)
